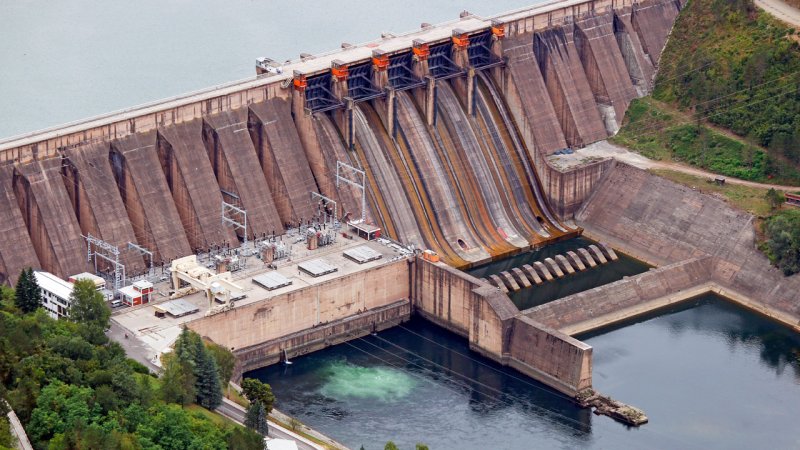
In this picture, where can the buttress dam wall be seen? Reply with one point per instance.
(447, 128)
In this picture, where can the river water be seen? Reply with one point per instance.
(708, 374)
(70, 59)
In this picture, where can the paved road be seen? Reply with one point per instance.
(605, 149)
(235, 412)
(781, 10)
(136, 349)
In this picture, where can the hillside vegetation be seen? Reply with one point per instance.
(727, 96)
(73, 388)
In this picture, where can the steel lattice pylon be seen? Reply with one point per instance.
(108, 252)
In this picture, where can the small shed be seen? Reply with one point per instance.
(175, 308)
(366, 231)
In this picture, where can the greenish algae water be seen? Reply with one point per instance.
(344, 380)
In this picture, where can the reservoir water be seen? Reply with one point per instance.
(708, 374)
(68, 60)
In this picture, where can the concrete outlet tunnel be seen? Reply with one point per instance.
(447, 129)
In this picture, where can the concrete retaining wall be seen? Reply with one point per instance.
(549, 356)
(663, 223)
(323, 336)
(496, 329)
(301, 310)
(625, 298)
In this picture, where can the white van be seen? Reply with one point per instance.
(116, 303)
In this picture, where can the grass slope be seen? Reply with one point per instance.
(727, 96)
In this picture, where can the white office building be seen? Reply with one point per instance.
(55, 294)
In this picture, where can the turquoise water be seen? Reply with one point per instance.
(709, 375)
(345, 380)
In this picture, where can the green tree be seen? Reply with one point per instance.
(256, 391)
(774, 198)
(209, 392)
(421, 447)
(28, 295)
(6, 439)
(177, 381)
(60, 408)
(256, 418)
(390, 446)
(783, 241)
(88, 306)
(244, 439)
(168, 427)
(225, 362)
(192, 353)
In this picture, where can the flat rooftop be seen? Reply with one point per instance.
(362, 254)
(317, 267)
(177, 308)
(159, 333)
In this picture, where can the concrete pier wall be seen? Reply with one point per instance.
(191, 180)
(549, 356)
(16, 249)
(497, 330)
(50, 220)
(259, 323)
(144, 190)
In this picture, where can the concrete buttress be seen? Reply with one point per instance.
(605, 67)
(238, 171)
(568, 86)
(283, 160)
(97, 203)
(16, 248)
(191, 180)
(144, 190)
(51, 222)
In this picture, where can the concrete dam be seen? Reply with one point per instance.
(438, 137)
(450, 126)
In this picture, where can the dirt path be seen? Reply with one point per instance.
(781, 11)
(605, 149)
